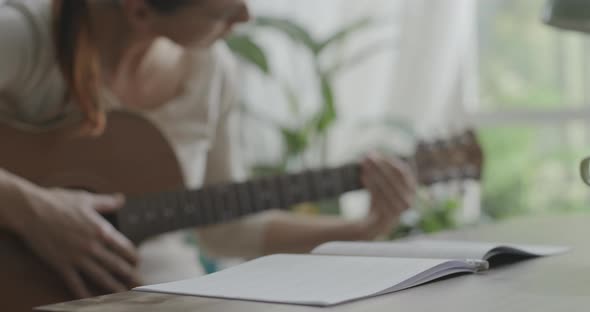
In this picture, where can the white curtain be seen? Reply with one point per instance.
(423, 74)
(435, 80)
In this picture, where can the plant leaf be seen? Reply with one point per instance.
(264, 119)
(345, 32)
(292, 99)
(359, 57)
(296, 141)
(327, 115)
(295, 31)
(248, 50)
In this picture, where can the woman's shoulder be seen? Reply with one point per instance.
(26, 36)
(27, 20)
(31, 86)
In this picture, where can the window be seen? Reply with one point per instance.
(534, 114)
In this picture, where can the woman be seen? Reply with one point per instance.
(66, 63)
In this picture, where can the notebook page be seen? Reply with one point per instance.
(421, 248)
(303, 279)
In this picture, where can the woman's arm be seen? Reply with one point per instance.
(291, 233)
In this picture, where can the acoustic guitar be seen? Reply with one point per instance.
(132, 157)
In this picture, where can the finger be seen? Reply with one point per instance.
(392, 216)
(397, 168)
(380, 202)
(108, 203)
(116, 264)
(75, 283)
(408, 174)
(394, 171)
(101, 277)
(384, 223)
(369, 182)
(117, 242)
(392, 204)
(387, 188)
(391, 180)
(390, 210)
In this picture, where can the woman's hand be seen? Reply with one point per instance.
(66, 230)
(392, 187)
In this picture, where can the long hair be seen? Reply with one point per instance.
(78, 57)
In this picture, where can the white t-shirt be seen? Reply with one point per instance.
(196, 124)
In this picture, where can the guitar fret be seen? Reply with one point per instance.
(166, 214)
(154, 215)
(259, 194)
(199, 197)
(231, 202)
(221, 203)
(314, 193)
(296, 192)
(305, 188)
(323, 183)
(217, 203)
(289, 189)
(245, 198)
(317, 184)
(312, 178)
(279, 192)
(268, 195)
(188, 206)
(199, 207)
(352, 177)
(335, 182)
(347, 180)
(207, 208)
(178, 209)
(330, 183)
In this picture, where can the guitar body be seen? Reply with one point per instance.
(132, 157)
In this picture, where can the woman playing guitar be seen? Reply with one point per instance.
(64, 65)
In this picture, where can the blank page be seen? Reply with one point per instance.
(434, 249)
(312, 279)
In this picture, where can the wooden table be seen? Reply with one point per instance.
(560, 283)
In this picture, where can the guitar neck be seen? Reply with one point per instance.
(147, 216)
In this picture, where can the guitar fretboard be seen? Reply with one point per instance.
(150, 215)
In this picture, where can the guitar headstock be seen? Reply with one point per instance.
(458, 158)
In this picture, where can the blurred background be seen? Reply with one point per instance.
(325, 82)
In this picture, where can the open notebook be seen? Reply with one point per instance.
(338, 272)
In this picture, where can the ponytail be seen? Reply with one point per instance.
(77, 57)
